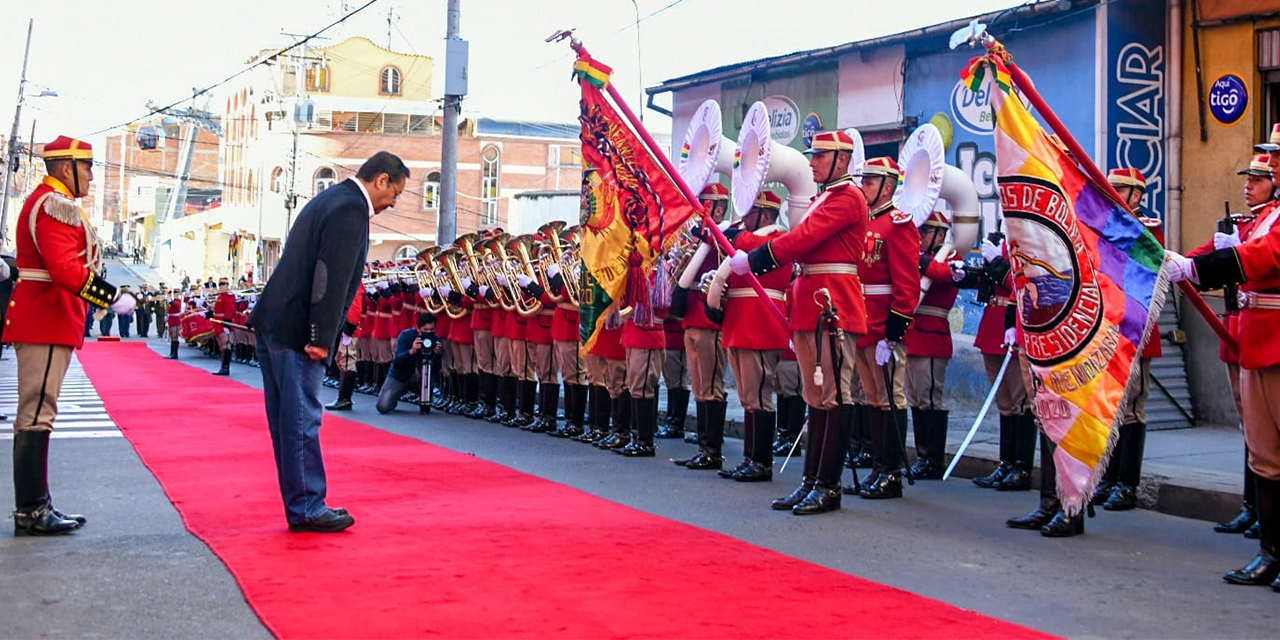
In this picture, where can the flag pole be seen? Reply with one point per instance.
(689, 195)
(1099, 180)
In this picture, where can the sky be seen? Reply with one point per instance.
(107, 59)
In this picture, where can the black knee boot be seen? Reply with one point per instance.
(784, 437)
(700, 417)
(548, 408)
(930, 427)
(760, 461)
(645, 414)
(1049, 505)
(225, 369)
(888, 470)
(677, 411)
(1025, 435)
(1061, 525)
(1265, 568)
(1248, 505)
(173, 350)
(1008, 434)
(711, 440)
(1124, 495)
(346, 384)
(597, 422)
(35, 514)
(825, 495)
(748, 445)
(861, 438)
(812, 453)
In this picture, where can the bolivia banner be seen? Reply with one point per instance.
(630, 206)
(1088, 284)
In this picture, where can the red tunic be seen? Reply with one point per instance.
(224, 308)
(57, 250)
(745, 325)
(890, 272)
(382, 329)
(674, 328)
(516, 325)
(538, 326)
(643, 337)
(482, 317)
(929, 336)
(990, 339)
(499, 322)
(173, 315)
(443, 325)
(833, 232)
(367, 307)
(695, 316)
(609, 345)
(564, 326)
(1259, 259)
(1232, 322)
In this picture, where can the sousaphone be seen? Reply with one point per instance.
(706, 150)
(759, 161)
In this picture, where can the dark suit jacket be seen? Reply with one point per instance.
(307, 296)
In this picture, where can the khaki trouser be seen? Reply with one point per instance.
(1011, 397)
(571, 366)
(1233, 376)
(223, 339)
(448, 355)
(788, 378)
(675, 370)
(757, 375)
(643, 368)
(544, 362)
(873, 377)
(926, 378)
(464, 358)
(824, 395)
(1260, 394)
(175, 332)
(521, 364)
(613, 375)
(501, 356)
(1135, 410)
(707, 363)
(381, 350)
(347, 355)
(41, 369)
(484, 350)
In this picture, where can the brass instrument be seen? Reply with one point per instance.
(491, 261)
(683, 246)
(571, 265)
(522, 262)
(448, 260)
(425, 273)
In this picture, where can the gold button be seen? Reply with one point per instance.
(13, 303)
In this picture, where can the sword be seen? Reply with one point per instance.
(804, 427)
(230, 324)
(1004, 366)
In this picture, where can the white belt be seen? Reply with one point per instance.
(1252, 300)
(877, 289)
(568, 306)
(39, 275)
(926, 310)
(748, 292)
(546, 312)
(829, 269)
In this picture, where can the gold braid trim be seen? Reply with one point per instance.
(98, 291)
(62, 209)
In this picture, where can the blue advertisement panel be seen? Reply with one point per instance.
(1135, 94)
(1058, 56)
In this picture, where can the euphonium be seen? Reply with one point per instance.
(447, 260)
(519, 263)
(492, 260)
(552, 252)
(683, 246)
(425, 273)
(571, 266)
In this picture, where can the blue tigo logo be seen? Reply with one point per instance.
(1228, 99)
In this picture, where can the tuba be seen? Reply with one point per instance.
(927, 178)
(706, 150)
(759, 161)
(552, 252)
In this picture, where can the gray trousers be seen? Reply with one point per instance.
(392, 389)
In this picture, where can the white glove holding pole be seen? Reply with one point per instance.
(884, 352)
(990, 250)
(445, 290)
(523, 279)
(125, 304)
(425, 292)
(1010, 336)
(739, 264)
(1226, 240)
(957, 270)
(346, 340)
(484, 291)
(1180, 267)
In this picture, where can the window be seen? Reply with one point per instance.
(490, 159)
(149, 137)
(431, 192)
(277, 180)
(407, 252)
(324, 179)
(390, 84)
(563, 155)
(318, 77)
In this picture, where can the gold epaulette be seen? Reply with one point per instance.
(62, 209)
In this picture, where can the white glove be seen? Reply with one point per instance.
(884, 352)
(466, 283)
(346, 340)
(553, 270)
(957, 270)
(577, 271)
(4, 271)
(382, 286)
(523, 279)
(1180, 267)
(990, 250)
(1010, 336)
(368, 290)
(502, 280)
(124, 305)
(484, 290)
(445, 290)
(425, 292)
(1220, 240)
(739, 264)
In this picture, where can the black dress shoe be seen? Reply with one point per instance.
(1259, 572)
(79, 519)
(1063, 526)
(42, 521)
(1036, 519)
(925, 469)
(754, 472)
(785, 504)
(340, 405)
(888, 485)
(691, 437)
(818, 501)
(1016, 480)
(685, 461)
(862, 461)
(332, 521)
(668, 431)
(991, 480)
(1252, 532)
(1101, 493)
(612, 440)
(705, 462)
(638, 450)
(729, 473)
(1123, 498)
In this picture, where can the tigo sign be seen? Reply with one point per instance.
(1228, 99)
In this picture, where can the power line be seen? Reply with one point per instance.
(239, 73)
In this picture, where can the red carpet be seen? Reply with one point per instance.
(449, 545)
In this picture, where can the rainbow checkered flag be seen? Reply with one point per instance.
(1088, 281)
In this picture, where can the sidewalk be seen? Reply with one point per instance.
(135, 274)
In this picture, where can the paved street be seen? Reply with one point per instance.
(134, 570)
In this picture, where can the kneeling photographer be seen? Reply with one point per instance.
(412, 347)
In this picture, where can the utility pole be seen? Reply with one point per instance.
(291, 200)
(11, 159)
(455, 87)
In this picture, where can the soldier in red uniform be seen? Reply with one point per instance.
(383, 335)
(928, 343)
(564, 333)
(890, 273)
(675, 377)
(526, 379)
(461, 341)
(607, 363)
(703, 347)
(507, 382)
(755, 345)
(828, 317)
(646, 345)
(58, 260)
(348, 355)
(173, 321)
(1254, 264)
(1117, 490)
(224, 309)
(539, 344)
(482, 334)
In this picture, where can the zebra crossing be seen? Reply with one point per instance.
(80, 410)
